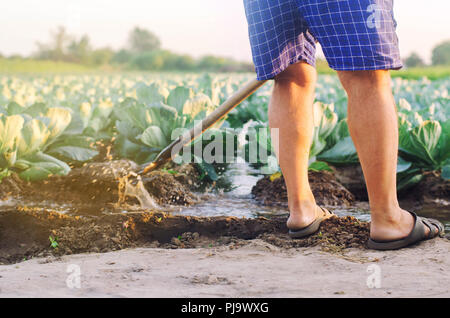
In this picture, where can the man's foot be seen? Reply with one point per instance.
(394, 228)
(299, 232)
(299, 220)
(423, 229)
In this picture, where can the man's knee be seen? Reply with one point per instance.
(362, 81)
(299, 74)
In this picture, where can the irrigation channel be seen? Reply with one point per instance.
(93, 210)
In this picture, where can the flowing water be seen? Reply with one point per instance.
(131, 185)
(238, 202)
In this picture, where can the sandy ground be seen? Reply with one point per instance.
(257, 269)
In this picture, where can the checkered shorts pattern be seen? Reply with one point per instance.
(354, 34)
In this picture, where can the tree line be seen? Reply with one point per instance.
(440, 56)
(143, 51)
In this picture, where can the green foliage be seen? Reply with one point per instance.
(414, 60)
(38, 147)
(319, 166)
(143, 52)
(427, 144)
(148, 61)
(122, 56)
(430, 72)
(48, 123)
(343, 152)
(80, 50)
(424, 109)
(141, 40)
(39, 66)
(441, 54)
(253, 108)
(446, 171)
(147, 125)
(53, 242)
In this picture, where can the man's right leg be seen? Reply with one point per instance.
(291, 112)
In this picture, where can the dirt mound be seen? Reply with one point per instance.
(334, 234)
(97, 184)
(167, 189)
(430, 189)
(30, 232)
(10, 187)
(187, 175)
(25, 233)
(352, 178)
(327, 190)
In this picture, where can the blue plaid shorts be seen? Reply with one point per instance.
(354, 34)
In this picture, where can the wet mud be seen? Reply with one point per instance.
(97, 185)
(326, 189)
(30, 232)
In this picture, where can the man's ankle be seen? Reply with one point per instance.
(387, 214)
(302, 207)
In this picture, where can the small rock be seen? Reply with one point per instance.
(212, 279)
(176, 241)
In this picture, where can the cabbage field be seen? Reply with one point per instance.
(50, 124)
(72, 146)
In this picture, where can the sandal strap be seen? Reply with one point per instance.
(417, 234)
(326, 211)
(433, 225)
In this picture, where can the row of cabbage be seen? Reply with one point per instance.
(424, 126)
(50, 124)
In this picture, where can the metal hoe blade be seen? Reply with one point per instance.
(171, 150)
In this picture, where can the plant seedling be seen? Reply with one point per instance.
(53, 242)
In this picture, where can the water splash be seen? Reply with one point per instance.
(131, 185)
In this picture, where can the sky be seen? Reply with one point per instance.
(195, 27)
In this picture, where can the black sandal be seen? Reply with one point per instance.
(313, 227)
(417, 234)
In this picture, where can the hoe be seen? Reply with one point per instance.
(171, 150)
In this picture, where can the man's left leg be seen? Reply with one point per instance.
(372, 121)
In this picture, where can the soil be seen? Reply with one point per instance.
(352, 178)
(347, 184)
(256, 269)
(326, 189)
(167, 189)
(335, 234)
(432, 188)
(28, 232)
(97, 184)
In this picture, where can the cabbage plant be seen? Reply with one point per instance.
(148, 124)
(426, 145)
(26, 140)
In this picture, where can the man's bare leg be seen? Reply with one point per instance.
(373, 125)
(291, 112)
